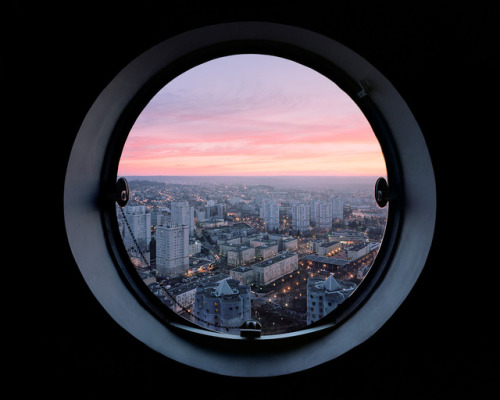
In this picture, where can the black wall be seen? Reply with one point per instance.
(439, 55)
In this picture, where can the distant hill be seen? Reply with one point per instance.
(306, 182)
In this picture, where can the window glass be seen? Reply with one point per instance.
(251, 194)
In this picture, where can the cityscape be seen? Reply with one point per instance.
(284, 251)
(251, 194)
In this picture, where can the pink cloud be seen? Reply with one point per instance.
(241, 130)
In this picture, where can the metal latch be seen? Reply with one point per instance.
(382, 192)
(122, 193)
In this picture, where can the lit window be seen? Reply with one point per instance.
(123, 236)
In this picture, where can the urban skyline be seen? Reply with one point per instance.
(220, 254)
(251, 181)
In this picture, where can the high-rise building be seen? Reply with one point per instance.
(172, 250)
(191, 221)
(301, 217)
(139, 221)
(270, 213)
(337, 208)
(182, 214)
(321, 214)
(215, 210)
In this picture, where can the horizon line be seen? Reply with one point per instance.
(254, 176)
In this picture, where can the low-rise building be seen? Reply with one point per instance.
(329, 263)
(194, 247)
(245, 275)
(223, 306)
(269, 270)
(358, 251)
(347, 236)
(266, 251)
(240, 255)
(182, 297)
(324, 296)
(289, 243)
(328, 249)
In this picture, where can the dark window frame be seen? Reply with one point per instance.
(322, 66)
(89, 207)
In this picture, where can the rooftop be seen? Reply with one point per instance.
(279, 257)
(331, 284)
(358, 246)
(325, 260)
(224, 289)
(242, 269)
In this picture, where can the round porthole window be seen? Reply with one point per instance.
(251, 195)
(255, 192)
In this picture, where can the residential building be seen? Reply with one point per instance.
(266, 250)
(182, 214)
(270, 214)
(337, 208)
(139, 221)
(321, 214)
(269, 270)
(245, 275)
(172, 250)
(328, 248)
(358, 251)
(239, 255)
(301, 217)
(324, 296)
(223, 306)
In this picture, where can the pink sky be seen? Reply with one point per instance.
(251, 115)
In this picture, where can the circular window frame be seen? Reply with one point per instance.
(89, 204)
(356, 91)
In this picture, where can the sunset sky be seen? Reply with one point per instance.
(251, 115)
